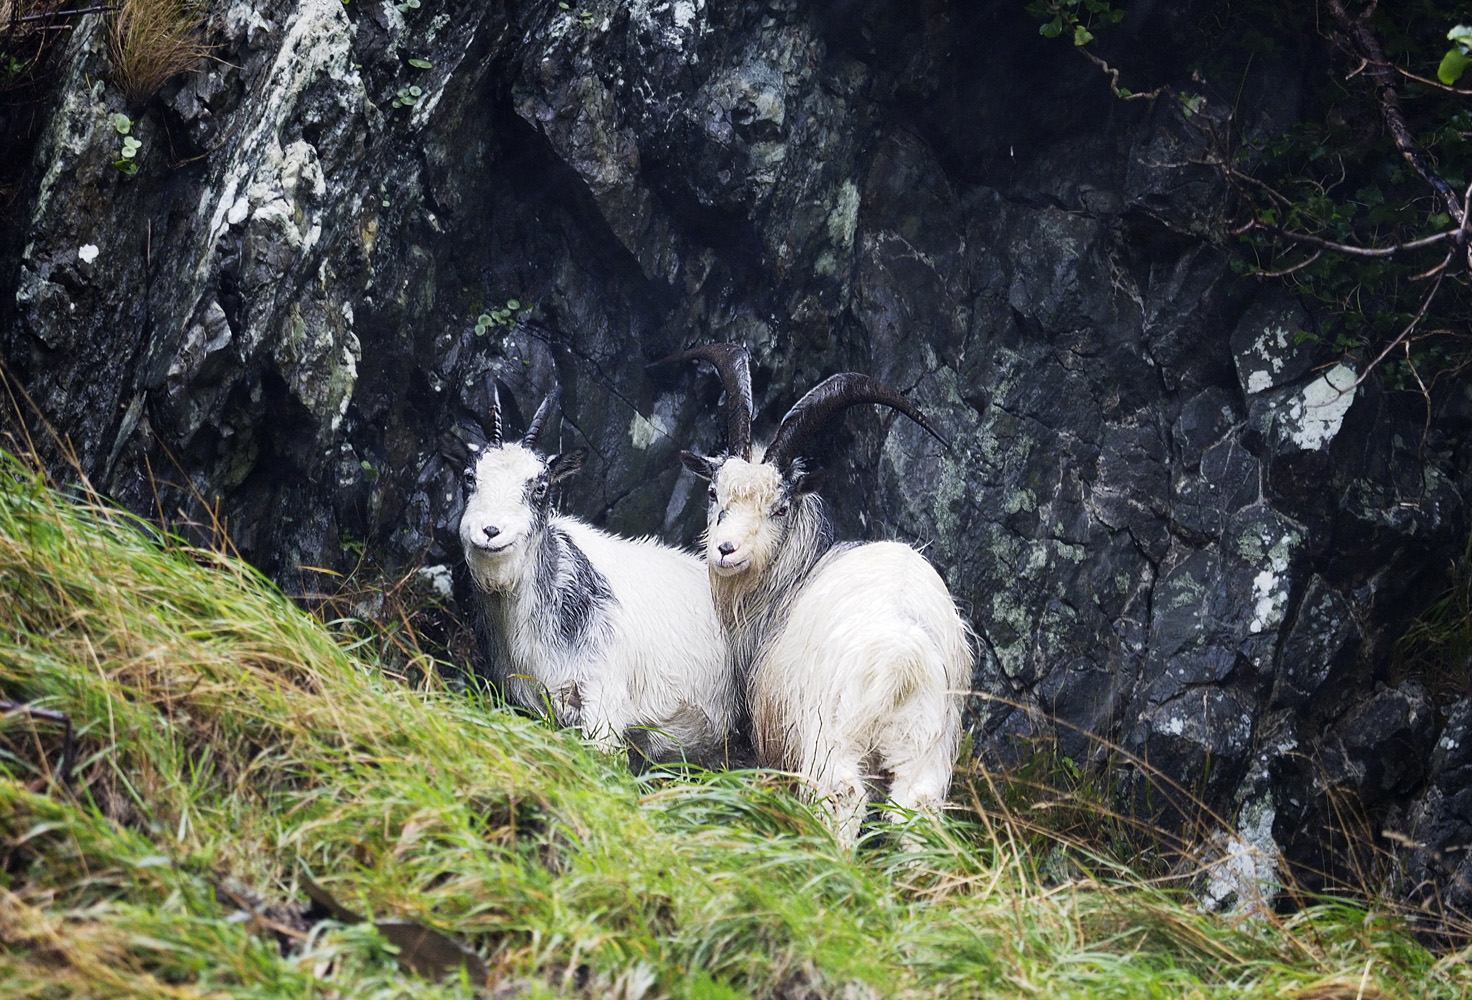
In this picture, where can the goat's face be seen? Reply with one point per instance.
(750, 506)
(508, 495)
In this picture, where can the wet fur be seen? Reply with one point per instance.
(854, 656)
(617, 637)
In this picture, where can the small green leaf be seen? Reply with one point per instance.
(513, 305)
(122, 123)
(1461, 34)
(129, 152)
(483, 320)
(565, 6)
(1052, 29)
(421, 64)
(1082, 35)
(415, 92)
(1453, 65)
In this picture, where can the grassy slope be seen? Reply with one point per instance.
(229, 742)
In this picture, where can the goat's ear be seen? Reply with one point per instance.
(805, 481)
(566, 465)
(698, 464)
(461, 444)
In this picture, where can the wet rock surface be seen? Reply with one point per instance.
(1178, 527)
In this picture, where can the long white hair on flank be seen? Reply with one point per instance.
(615, 636)
(854, 657)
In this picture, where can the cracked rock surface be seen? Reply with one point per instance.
(1176, 528)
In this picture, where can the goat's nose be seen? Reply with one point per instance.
(726, 548)
(491, 531)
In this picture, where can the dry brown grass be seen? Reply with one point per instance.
(152, 41)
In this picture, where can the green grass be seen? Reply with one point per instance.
(229, 743)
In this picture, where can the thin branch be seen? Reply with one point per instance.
(1347, 248)
(1438, 269)
(1367, 48)
(1400, 337)
(1460, 92)
(1113, 74)
(1425, 396)
(1233, 174)
(1284, 272)
(54, 14)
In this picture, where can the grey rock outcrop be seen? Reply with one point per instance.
(1179, 531)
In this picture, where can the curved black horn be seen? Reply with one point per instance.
(495, 415)
(730, 361)
(825, 401)
(534, 429)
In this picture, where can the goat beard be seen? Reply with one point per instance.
(497, 572)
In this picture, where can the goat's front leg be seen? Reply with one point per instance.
(597, 723)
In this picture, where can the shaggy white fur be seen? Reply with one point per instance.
(856, 659)
(618, 637)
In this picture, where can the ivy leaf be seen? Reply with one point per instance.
(1052, 29)
(1453, 65)
(1081, 35)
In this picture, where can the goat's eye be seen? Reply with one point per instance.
(712, 494)
(469, 480)
(541, 489)
(780, 510)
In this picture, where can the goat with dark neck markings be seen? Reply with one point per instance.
(854, 657)
(617, 637)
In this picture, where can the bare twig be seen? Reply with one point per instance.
(1425, 397)
(1347, 248)
(68, 740)
(1409, 328)
(54, 14)
(1113, 75)
(1378, 68)
(1459, 91)
(1284, 272)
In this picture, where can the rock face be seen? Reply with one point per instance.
(1178, 530)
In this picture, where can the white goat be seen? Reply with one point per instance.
(616, 636)
(854, 656)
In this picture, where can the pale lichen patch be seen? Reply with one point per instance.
(1316, 414)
